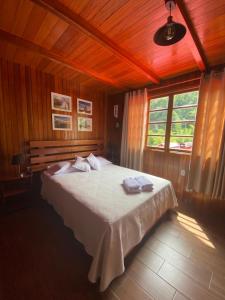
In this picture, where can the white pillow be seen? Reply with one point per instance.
(94, 162)
(103, 161)
(60, 167)
(82, 165)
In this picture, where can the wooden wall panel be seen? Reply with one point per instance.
(112, 40)
(25, 109)
(113, 131)
(169, 166)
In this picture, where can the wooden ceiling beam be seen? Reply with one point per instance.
(191, 36)
(21, 42)
(176, 80)
(72, 18)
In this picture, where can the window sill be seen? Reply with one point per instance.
(148, 149)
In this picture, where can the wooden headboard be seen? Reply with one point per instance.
(45, 153)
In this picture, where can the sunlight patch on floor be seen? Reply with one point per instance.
(193, 227)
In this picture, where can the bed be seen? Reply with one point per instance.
(106, 220)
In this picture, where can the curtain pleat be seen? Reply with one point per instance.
(205, 168)
(133, 133)
(219, 183)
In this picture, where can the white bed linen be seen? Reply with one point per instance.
(107, 221)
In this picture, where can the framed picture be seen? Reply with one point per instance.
(61, 122)
(61, 102)
(115, 111)
(84, 124)
(84, 107)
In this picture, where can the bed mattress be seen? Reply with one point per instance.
(106, 220)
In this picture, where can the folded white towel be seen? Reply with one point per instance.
(145, 184)
(131, 185)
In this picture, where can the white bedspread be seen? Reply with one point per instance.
(107, 221)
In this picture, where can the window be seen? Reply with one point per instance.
(158, 111)
(171, 121)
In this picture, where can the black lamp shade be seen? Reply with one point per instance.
(160, 37)
(17, 159)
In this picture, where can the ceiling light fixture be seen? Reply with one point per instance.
(171, 32)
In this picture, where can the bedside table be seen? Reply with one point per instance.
(14, 185)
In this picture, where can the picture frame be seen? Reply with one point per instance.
(84, 107)
(84, 124)
(61, 122)
(61, 102)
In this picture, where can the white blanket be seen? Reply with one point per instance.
(107, 221)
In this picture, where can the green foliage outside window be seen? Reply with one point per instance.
(182, 130)
(158, 116)
(154, 141)
(190, 98)
(157, 129)
(159, 103)
(184, 114)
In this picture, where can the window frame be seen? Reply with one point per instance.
(169, 122)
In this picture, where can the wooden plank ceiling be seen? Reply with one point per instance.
(109, 43)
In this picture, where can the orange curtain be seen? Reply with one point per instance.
(134, 125)
(207, 155)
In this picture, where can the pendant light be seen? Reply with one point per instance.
(171, 32)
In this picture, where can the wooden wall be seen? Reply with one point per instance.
(25, 109)
(168, 166)
(114, 127)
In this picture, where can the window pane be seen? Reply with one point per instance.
(158, 103)
(181, 143)
(182, 114)
(158, 116)
(183, 128)
(157, 129)
(190, 98)
(156, 141)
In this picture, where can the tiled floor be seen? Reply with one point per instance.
(179, 260)
(40, 260)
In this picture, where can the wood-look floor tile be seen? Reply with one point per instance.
(150, 282)
(204, 242)
(117, 282)
(130, 290)
(179, 296)
(109, 295)
(213, 248)
(217, 284)
(169, 229)
(150, 259)
(185, 284)
(198, 273)
(178, 244)
(163, 250)
(213, 262)
(201, 237)
(211, 252)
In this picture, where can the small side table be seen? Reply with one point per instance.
(14, 185)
